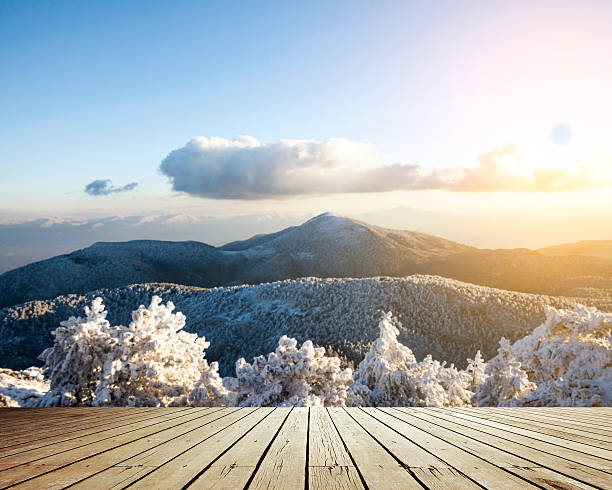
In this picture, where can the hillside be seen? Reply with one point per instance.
(592, 248)
(325, 246)
(442, 317)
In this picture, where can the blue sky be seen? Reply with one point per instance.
(106, 90)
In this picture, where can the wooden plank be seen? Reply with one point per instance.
(297, 448)
(543, 427)
(535, 457)
(149, 452)
(375, 464)
(574, 451)
(329, 464)
(31, 452)
(284, 466)
(25, 468)
(82, 429)
(489, 450)
(179, 471)
(49, 419)
(478, 469)
(567, 424)
(563, 416)
(234, 468)
(430, 470)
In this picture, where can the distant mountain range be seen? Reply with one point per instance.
(325, 246)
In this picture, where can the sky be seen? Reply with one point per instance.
(500, 110)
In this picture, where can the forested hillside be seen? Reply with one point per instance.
(442, 317)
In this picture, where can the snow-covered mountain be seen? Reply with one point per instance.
(325, 246)
(445, 318)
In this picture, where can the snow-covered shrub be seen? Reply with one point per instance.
(76, 361)
(390, 375)
(152, 362)
(477, 370)
(505, 380)
(22, 388)
(209, 391)
(569, 357)
(290, 377)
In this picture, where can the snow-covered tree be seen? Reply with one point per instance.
(76, 361)
(476, 368)
(390, 375)
(505, 382)
(569, 357)
(290, 377)
(209, 390)
(152, 362)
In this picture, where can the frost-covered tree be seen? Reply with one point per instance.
(505, 382)
(76, 361)
(209, 391)
(569, 357)
(476, 368)
(152, 362)
(390, 375)
(290, 377)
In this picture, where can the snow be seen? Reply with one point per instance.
(566, 361)
(22, 388)
(390, 375)
(152, 362)
(448, 319)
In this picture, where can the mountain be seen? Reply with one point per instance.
(24, 242)
(442, 317)
(325, 246)
(592, 248)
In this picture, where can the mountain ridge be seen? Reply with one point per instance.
(443, 317)
(327, 245)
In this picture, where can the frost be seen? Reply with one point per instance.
(22, 388)
(566, 361)
(569, 357)
(390, 375)
(291, 377)
(152, 362)
(505, 382)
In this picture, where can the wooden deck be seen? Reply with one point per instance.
(306, 448)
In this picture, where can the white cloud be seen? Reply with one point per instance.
(244, 168)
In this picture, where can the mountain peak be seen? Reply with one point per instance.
(327, 214)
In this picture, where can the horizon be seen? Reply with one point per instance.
(482, 123)
(220, 229)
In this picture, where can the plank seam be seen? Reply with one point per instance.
(399, 461)
(363, 482)
(153, 468)
(84, 435)
(258, 465)
(573, 477)
(89, 443)
(534, 439)
(423, 448)
(306, 479)
(80, 459)
(510, 420)
(206, 468)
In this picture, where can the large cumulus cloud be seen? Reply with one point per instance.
(104, 187)
(243, 168)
